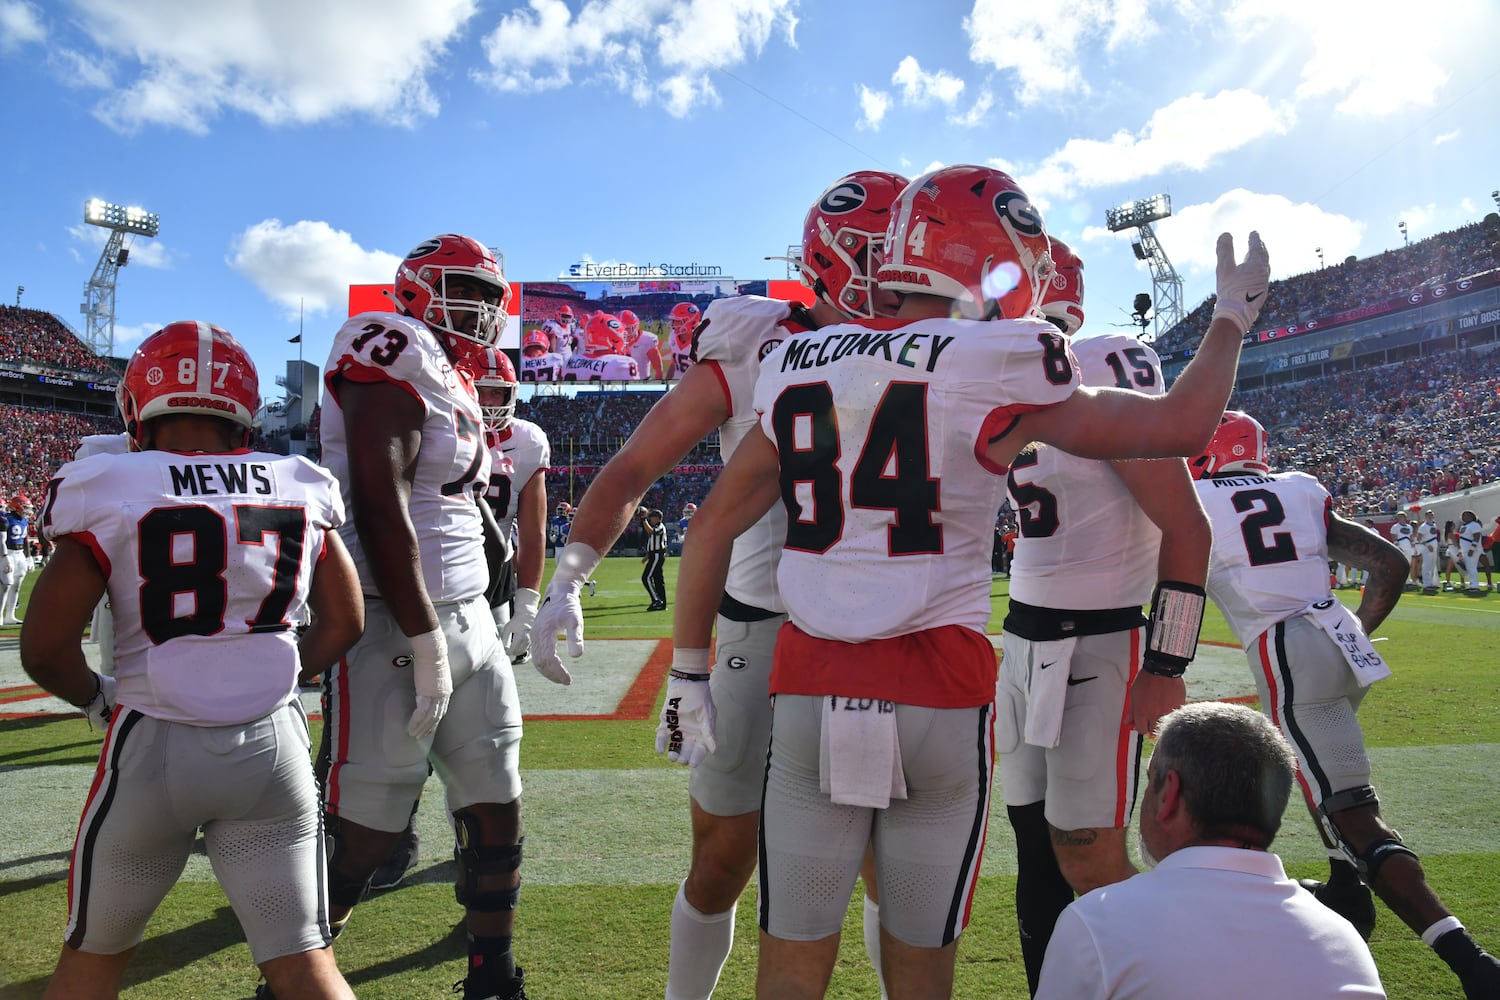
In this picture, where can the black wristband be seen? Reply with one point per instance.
(683, 675)
(1162, 665)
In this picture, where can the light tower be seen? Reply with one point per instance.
(99, 294)
(1166, 286)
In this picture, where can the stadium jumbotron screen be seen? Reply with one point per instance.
(604, 331)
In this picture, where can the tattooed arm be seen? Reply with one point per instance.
(1355, 545)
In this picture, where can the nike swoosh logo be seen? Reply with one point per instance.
(1046, 665)
(1074, 681)
(1252, 298)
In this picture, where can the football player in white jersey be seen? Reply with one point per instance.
(538, 364)
(643, 346)
(683, 320)
(1084, 675)
(1470, 548)
(1427, 539)
(1313, 664)
(209, 553)
(885, 442)
(517, 495)
(403, 431)
(560, 331)
(1403, 533)
(720, 721)
(604, 357)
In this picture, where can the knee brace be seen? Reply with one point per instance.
(476, 860)
(1368, 861)
(343, 890)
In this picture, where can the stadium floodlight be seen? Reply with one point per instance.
(98, 212)
(99, 294)
(1165, 283)
(1406, 240)
(1495, 194)
(1134, 214)
(1319, 252)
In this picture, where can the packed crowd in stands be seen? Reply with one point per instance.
(1381, 439)
(1461, 253)
(40, 338)
(34, 442)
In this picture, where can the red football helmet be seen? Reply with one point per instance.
(604, 336)
(684, 319)
(842, 238)
(565, 315)
(632, 326)
(564, 508)
(188, 367)
(455, 286)
(1062, 299)
(496, 383)
(1239, 445)
(969, 234)
(535, 343)
(688, 510)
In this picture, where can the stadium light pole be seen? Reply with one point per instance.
(1495, 194)
(98, 306)
(1320, 257)
(19, 290)
(1406, 240)
(1166, 285)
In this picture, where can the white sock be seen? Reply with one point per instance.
(1437, 930)
(872, 941)
(700, 947)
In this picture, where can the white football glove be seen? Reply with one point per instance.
(433, 681)
(1242, 287)
(686, 731)
(102, 706)
(517, 632)
(561, 612)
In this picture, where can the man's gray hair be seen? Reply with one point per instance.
(1234, 767)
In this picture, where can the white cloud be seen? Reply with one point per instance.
(1447, 137)
(127, 336)
(920, 89)
(20, 24)
(1292, 231)
(1419, 221)
(281, 61)
(873, 104)
(1042, 43)
(307, 262)
(663, 50)
(1188, 134)
(976, 113)
(143, 252)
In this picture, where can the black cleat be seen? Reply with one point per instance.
(1352, 902)
(513, 990)
(1482, 980)
(403, 856)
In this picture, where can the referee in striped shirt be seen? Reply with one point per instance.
(653, 577)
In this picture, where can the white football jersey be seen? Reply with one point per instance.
(1083, 543)
(1427, 532)
(516, 454)
(102, 444)
(737, 334)
(682, 358)
(608, 368)
(1471, 534)
(209, 559)
(560, 335)
(1402, 534)
(452, 465)
(1270, 549)
(642, 352)
(881, 427)
(542, 368)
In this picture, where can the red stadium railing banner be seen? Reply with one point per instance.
(1401, 303)
(556, 334)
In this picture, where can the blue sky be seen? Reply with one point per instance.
(293, 148)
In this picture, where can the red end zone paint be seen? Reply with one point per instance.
(640, 699)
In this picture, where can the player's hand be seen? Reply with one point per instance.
(433, 681)
(561, 612)
(1242, 287)
(517, 632)
(101, 707)
(1151, 697)
(686, 731)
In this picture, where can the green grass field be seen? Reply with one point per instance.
(607, 841)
